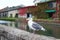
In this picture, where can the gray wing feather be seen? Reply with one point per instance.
(36, 25)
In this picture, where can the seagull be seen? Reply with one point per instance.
(34, 26)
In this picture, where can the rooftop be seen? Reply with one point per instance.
(42, 1)
(10, 8)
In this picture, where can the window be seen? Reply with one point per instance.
(11, 15)
(54, 4)
(50, 4)
(16, 15)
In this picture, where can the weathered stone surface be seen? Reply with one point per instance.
(17, 34)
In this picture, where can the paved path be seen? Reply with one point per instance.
(25, 35)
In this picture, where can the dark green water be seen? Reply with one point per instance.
(53, 29)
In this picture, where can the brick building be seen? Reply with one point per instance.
(23, 11)
(46, 9)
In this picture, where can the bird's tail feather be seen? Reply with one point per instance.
(43, 29)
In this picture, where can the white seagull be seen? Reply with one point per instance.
(34, 26)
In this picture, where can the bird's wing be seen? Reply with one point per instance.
(36, 25)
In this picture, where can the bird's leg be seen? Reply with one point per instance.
(34, 31)
(29, 30)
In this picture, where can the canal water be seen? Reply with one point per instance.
(53, 29)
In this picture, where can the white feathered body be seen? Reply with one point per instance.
(39, 27)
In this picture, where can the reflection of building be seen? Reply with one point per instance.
(46, 9)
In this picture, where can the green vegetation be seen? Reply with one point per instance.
(8, 19)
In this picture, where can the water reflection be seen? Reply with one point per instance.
(14, 24)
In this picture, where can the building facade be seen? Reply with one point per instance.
(46, 9)
(13, 14)
(3, 13)
(23, 11)
(10, 12)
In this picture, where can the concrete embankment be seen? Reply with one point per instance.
(21, 34)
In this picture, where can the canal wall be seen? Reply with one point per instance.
(10, 33)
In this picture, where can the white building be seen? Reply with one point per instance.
(13, 13)
(10, 12)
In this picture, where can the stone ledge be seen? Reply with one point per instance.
(25, 35)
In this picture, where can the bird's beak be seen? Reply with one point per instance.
(27, 19)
